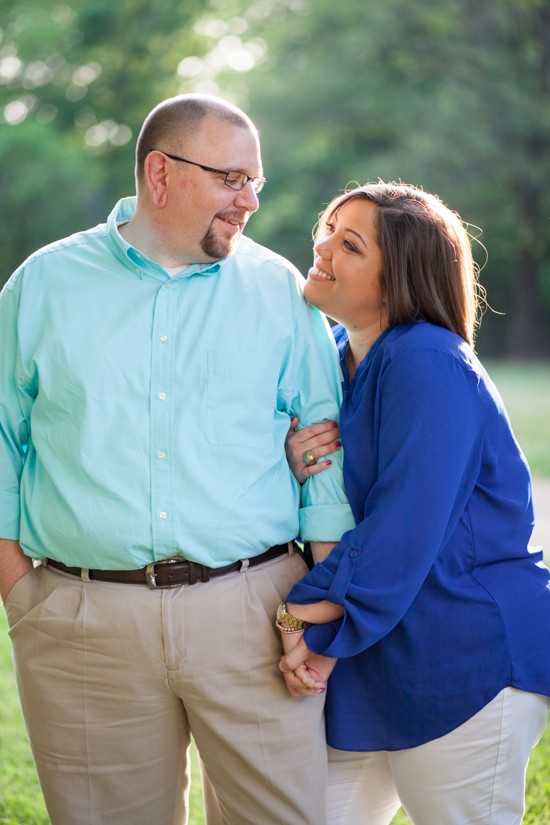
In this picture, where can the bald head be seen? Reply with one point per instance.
(174, 120)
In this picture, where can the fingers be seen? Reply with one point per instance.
(306, 447)
(294, 658)
(317, 435)
(324, 443)
(320, 444)
(302, 679)
(314, 469)
(300, 684)
(320, 452)
(294, 421)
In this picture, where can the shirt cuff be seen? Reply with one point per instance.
(319, 637)
(325, 522)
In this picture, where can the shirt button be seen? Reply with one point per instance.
(353, 554)
(162, 396)
(163, 514)
(161, 454)
(164, 338)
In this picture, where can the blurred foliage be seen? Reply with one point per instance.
(77, 79)
(452, 96)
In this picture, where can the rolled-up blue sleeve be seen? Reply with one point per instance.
(426, 426)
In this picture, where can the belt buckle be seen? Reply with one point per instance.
(151, 575)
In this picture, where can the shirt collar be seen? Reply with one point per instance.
(136, 261)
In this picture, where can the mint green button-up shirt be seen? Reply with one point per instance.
(143, 416)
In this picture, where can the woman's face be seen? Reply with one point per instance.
(345, 279)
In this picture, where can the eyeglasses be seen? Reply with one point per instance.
(235, 180)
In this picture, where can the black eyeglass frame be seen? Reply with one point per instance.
(257, 183)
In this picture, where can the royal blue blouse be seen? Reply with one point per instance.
(445, 603)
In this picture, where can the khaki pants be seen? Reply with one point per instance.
(114, 679)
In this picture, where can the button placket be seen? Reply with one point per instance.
(162, 369)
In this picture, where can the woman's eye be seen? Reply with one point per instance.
(350, 246)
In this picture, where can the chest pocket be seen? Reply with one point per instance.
(241, 398)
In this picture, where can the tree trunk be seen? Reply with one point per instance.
(527, 336)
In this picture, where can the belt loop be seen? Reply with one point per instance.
(245, 564)
(291, 548)
(85, 574)
(192, 567)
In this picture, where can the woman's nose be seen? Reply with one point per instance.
(321, 247)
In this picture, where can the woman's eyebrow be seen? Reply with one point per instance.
(354, 232)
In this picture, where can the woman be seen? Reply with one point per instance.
(434, 605)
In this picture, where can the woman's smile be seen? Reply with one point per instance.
(317, 274)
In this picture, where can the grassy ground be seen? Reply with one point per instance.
(525, 389)
(526, 392)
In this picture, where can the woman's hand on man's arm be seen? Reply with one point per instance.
(313, 442)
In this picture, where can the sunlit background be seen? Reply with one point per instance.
(453, 96)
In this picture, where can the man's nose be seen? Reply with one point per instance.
(246, 198)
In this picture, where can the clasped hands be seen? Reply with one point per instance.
(305, 673)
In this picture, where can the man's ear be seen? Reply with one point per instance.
(155, 171)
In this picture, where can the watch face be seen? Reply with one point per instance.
(286, 619)
(282, 615)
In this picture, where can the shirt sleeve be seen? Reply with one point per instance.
(14, 430)
(312, 382)
(429, 438)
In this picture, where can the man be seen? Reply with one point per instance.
(149, 370)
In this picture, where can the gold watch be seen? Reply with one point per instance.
(287, 623)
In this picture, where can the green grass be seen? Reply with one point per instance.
(525, 389)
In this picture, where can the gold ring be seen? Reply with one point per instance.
(309, 458)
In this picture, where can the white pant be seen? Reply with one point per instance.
(474, 775)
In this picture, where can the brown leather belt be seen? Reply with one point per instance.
(173, 572)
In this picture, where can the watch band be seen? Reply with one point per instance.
(287, 623)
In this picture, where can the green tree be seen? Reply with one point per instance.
(452, 96)
(75, 82)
